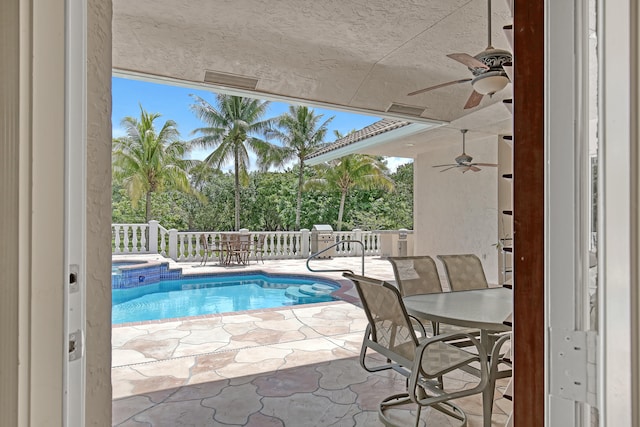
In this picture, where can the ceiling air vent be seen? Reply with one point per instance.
(407, 110)
(230, 80)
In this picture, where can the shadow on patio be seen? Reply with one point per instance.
(292, 366)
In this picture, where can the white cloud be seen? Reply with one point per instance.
(394, 162)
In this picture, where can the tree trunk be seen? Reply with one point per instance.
(147, 209)
(343, 197)
(237, 186)
(299, 200)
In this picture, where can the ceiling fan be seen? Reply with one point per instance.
(464, 161)
(489, 76)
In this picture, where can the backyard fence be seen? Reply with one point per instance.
(152, 238)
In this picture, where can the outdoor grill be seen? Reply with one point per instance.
(322, 238)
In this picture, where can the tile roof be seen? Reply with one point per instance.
(377, 128)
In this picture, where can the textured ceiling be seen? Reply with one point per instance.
(360, 55)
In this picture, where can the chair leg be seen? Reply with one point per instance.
(446, 408)
(390, 401)
(205, 257)
(452, 410)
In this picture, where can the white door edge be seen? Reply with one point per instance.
(75, 213)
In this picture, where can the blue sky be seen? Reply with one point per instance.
(173, 102)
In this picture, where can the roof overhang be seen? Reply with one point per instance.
(363, 145)
(363, 57)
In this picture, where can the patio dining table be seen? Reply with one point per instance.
(234, 248)
(481, 309)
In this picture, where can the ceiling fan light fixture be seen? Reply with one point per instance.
(490, 82)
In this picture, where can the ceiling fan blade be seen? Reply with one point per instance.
(468, 60)
(438, 86)
(452, 167)
(473, 168)
(492, 165)
(440, 166)
(474, 100)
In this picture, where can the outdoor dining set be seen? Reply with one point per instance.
(232, 248)
(424, 332)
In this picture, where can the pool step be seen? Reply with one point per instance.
(317, 289)
(309, 293)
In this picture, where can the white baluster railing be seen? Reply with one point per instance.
(186, 245)
(371, 241)
(163, 248)
(129, 238)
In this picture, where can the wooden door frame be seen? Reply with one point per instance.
(528, 213)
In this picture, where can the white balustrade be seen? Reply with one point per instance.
(129, 238)
(164, 240)
(185, 245)
(371, 241)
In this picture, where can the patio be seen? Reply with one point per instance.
(281, 367)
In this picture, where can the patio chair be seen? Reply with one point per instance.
(416, 275)
(206, 248)
(419, 275)
(224, 248)
(259, 247)
(464, 272)
(238, 248)
(422, 361)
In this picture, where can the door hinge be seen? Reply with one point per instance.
(573, 365)
(75, 345)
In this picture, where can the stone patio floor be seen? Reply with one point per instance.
(293, 366)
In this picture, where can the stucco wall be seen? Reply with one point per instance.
(455, 212)
(98, 349)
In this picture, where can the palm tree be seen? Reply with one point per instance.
(349, 172)
(232, 126)
(148, 161)
(301, 134)
(201, 174)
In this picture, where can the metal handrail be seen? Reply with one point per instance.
(315, 255)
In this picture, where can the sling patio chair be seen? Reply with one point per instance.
(419, 275)
(416, 274)
(207, 249)
(259, 247)
(238, 248)
(423, 361)
(464, 272)
(225, 253)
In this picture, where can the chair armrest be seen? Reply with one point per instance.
(418, 375)
(417, 325)
(451, 336)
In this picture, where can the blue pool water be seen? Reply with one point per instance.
(210, 295)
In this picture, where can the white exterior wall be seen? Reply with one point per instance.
(98, 227)
(456, 212)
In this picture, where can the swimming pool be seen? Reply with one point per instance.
(215, 294)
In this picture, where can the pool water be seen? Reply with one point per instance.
(211, 295)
